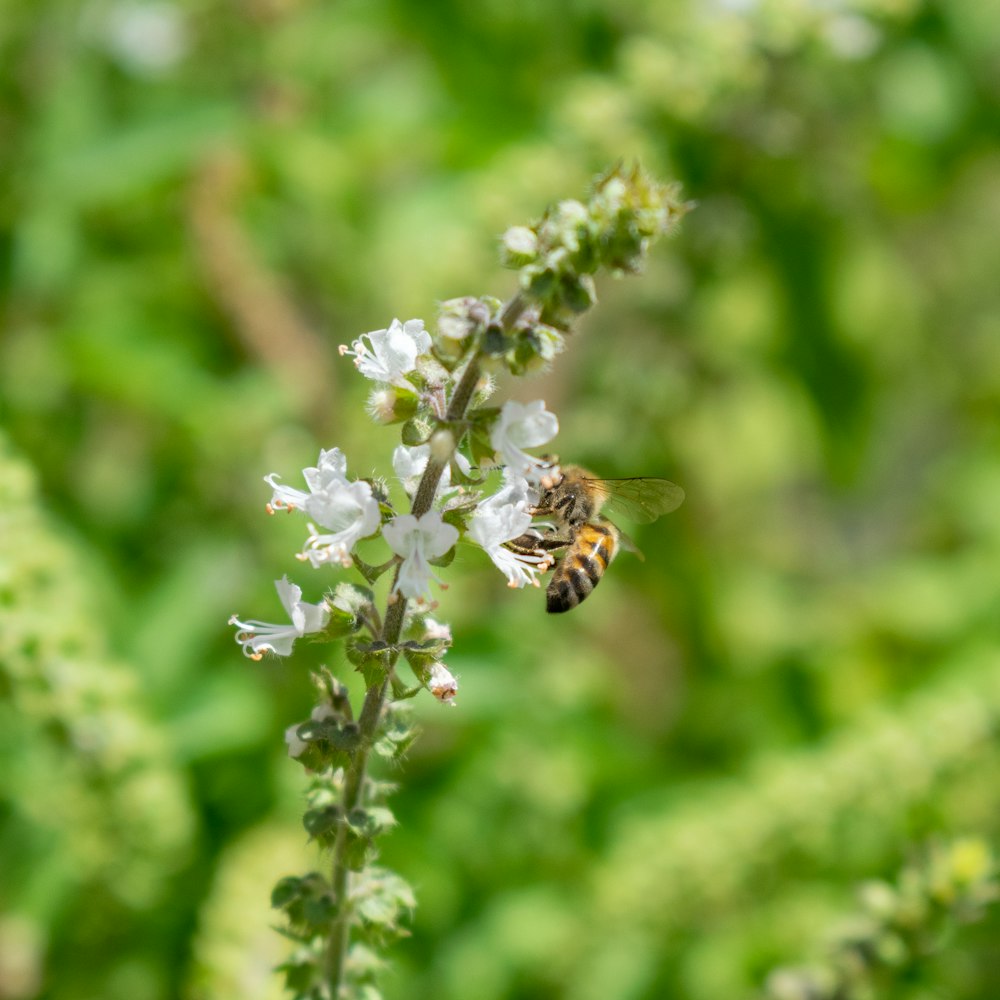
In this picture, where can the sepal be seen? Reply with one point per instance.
(363, 826)
(307, 902)
(382, 901)
(322, 822)
(323, 744)
(370, 658)
(416, 431)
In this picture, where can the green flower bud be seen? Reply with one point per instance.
(518, 246)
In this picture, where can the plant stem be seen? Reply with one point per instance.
(371, 710)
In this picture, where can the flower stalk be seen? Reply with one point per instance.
(374, 702)
(433, 384)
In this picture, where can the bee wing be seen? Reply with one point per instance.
(626, 543)
(640, 499)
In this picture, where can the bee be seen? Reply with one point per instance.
(574, 499)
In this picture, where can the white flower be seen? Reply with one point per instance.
(258, 638)
(501, 518)
(409, 464)
(295, 745)
(418, 541)
(434, 629)
(347, 510)
(331, 471)
(520, 426)
(390, 355)
(442, 684)
(351, 513)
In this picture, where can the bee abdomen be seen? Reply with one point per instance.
(582, 567)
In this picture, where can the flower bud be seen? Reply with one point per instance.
(389, 405)
(442, 445)
(518, 246)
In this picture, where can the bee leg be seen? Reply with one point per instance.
(532, 543)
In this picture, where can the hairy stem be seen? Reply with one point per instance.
(374, 702)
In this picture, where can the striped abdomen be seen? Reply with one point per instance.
(581, 569)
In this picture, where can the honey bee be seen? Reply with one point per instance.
(574, 499)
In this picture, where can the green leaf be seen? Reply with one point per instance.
(400, 690)
(301, 973)
(369, 572)
(446, 559)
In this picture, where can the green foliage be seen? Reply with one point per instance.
(668, 793)
(93, 805)
(899, 926)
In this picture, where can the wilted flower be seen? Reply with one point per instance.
(418, 541)
(442, 684)
(258, 637)
(390, 355)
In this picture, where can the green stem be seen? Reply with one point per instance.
(371, 711)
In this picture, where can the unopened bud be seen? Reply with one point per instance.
(389, 405)
(518, 246)
(442, 444)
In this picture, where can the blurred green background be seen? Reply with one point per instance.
(666, 795)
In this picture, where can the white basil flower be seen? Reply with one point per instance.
(418, 541)
(258, 638)
(434, 629)
(390, 355)
(520, 426)
(501, 518)
(331, 471)
(409, 463)
(350, 513)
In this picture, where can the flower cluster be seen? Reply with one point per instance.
(342, 512)
(557, 256)
(462, 471)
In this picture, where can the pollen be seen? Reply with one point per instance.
(343, 349)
